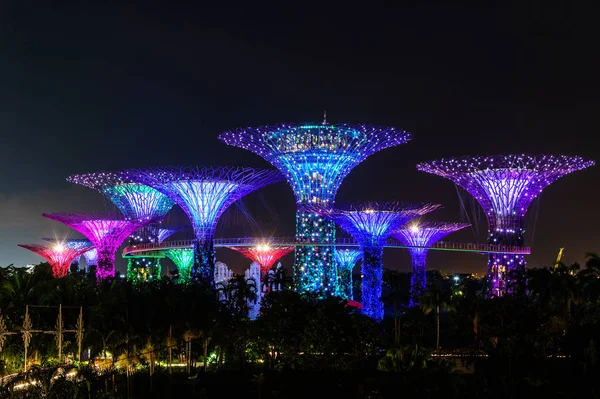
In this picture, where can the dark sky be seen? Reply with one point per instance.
(89, 87)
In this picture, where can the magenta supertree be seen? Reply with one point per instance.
(315, 158)
(371, 224)
(58, 254)
(73, 243)
(137, 202)
(418, 237)
(204, 193)
(505, 186)
(106, 232)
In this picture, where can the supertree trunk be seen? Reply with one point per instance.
(105, 266)
(372, 272)
(345, 283)
(418, 278)
(204, 260)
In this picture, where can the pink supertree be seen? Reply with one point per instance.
(265, 255)
(106, 232)
(58, 255)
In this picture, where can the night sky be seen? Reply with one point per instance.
(86, 88)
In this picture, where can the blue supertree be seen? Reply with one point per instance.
(204, 193)
(72, 243)
(137, 202)
(371, 224)
(505, 186)
(346, 259)
(315, 158)
(420, 236)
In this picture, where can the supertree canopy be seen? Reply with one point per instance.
(204, 193)
(184, 260)
(315, 159)
(73, 243)
(163, 234)
(346, 259)
(265, 255)
(58, 254)
(419, 236)
(137, 202)
(371, 224)
(505, 186)
(91, 257)
(106, 232)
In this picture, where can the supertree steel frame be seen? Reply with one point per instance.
(163, 234)
(73, 243)
(91, 257)
(265, 256)
(346, 259)
(204, 193)
(505, 186)
(137, 202)
(184, 260)
(371, 224)
(58, 254)
(106, 232)
(315, 159)
(420, 236)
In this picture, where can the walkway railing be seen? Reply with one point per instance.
(340, 242)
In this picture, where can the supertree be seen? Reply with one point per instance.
(346, 259)
(58, 254)
(106, 232)
(265, 255)
(371, 224)
(204, 193)
(315, 158)
(91, 257)
(184, 260)
(163, 234)
(505, 186)
(73, 243)
(137, 202)
(418, 237)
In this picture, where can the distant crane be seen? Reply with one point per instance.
(559, 258)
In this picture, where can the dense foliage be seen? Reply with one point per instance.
(162, 337)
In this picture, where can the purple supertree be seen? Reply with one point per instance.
(346, 259)
(420, 236)
(137, 202)
(73, 243)
(106, 232)
(204, 193)
(315, 158)
(371, 224)
(505, 186)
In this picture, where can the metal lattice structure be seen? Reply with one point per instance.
(346, 259)
(91, 257)
(58, 254)
(265, 255)
(371, 224)
(422, 235)
(137, 202)
(204, 193)
(163, 234)
(74, 243)
(505, 186)
(315, 158)
(106, 232)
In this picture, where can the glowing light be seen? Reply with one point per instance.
(204, 193)
(106, 233)
(59, 256)
(315, 159)
(184, 260)
(371, 225)
(265, 256)
(505, 186)
(91, 257)
(346, 259)
(422, 235)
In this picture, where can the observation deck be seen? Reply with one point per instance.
(148, 249)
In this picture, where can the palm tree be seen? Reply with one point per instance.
(436, 299)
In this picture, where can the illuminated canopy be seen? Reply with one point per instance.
(58, 254)
(346, 259)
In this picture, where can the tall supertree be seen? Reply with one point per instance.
(315, 159)
(265, 255)
(204, 193)
(420, 236)
(505, 186)
(371, 224)
(106, 232)
(73, 243)
(58, 254)
(184, 260)
(346, 259)
(137, 202)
